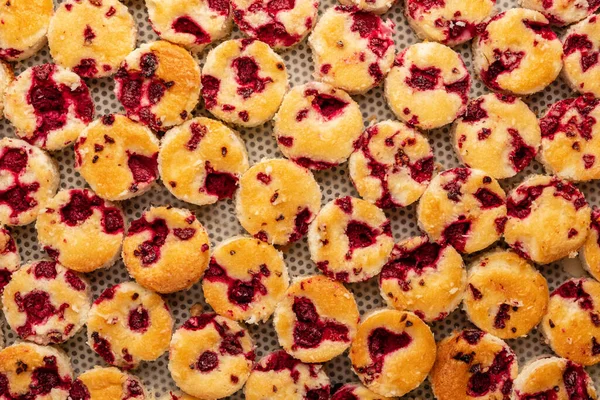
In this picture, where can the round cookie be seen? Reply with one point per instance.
(46, 303)
(35, 372)
(507, 296)
(243, 82)
(29, 177)
(356, 391)
(581, 46)
(316, 320)
(24, 27)
(589, 253)
(562, 12)
(107, 383)
(554, 204)
(201, 161)
(497, 134)
(350, 239)
(193, 24)
(117, 157)
(80, 230)
(6, 77)
(279, 24)
(279, 376)
(128, 324)
(166, 250)
(571, 139)
(428, 87)
(473, 365)
(572, 324)
(158, 84)
(277, 200)
(10, 259)
(424, 277)
(245, 280)
(463, 207)
(391, 165)
(450, 22)
(91, 37)
(386, 343)
(517, 53)
(317, 126)
(210, 356)
(352, 49)
(553, 378)
(49, 106)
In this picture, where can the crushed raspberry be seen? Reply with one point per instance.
(588, 160)
(199, 322)
(286, 141)
(581, 43)
(310, 330)
(37, 307)
(186, 24)
(79, 391)
(418, 260)
(313, 164)
(488, 199)
(197, 133)
(456, 234)
(328, 106)
(364, 23)
(423, 79)
(264, 178)
(86, 68)
(461, 88)
(382, 342)
(581, 123)
(221, 184)
(88, 35)
(210, 90)
(45, 270)
(107, 294)
(542, 29)
(360, 235)
(133, 389)
(472, 336)
(46, 378)
(422, 6)
(317, 394)
(139, 320)
(220, 6)
(528, 194)
(502, 316)
(149, 251)
(325, 68)
(207, 361)
(184, 233)
(103, 348)
(14, 160)
(7, 54)
(273, 32)
(280, 361)
(477, 295)
(521, 153)
(504, 62)
(345, 393)
(144, 169)
(474, 111)
(576, 382)
(345, 203)
(80, 207)
(301, 221)
(496, 378)
(240, 293)
(75, 281)
(573, 290)
(247, 77)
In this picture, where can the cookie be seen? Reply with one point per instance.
(10, 259)
(24, 29)
(581, 46)
(562, 12)
(590, 251)
(107, 383)
(355, 391)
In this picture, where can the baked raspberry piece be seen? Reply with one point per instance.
(428, 87)
(552, 203)
(463, 207)
(355, 391)
(517, 52)
(316, 320)
(352, 49)
(91, 37)
(9, 257)
(193, 24)
(49, 106)
(450, 22)
(117, 157)
(24, 29)
(590, 251)
(243, 82)
(562, 12)
(46, 303)
(129, 324)
(158, 84)
(207, 349)
(103, 383)
(572, 324)
(497, 134)
(177, 396)
(424, 277)
(317, 126)
(6, 77)
(279, 376)
(392, 164)
(279, 23)
(166, 250)
(473, 364)
(581, 48)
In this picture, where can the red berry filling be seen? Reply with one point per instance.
(457, 233)
(103, 348)
(345, 393)
(313, 164)
(457, 30)
(528, 194)
(81, 206)
(133, 389)
(488, 199)
(504, 62)
(45, 270)
(210, 90)
(301, 221)
(576, 382)
(582, 44)
(208, 361)
(574, 291)
(521, 153)
(454, 185)
(502, 316)
(7, 54)
(423, 79)
(38, 308)
(186, 24)
(79, 391)
(139, 319)
(382, 342)
(496, 377)
(43, 380)
(310, 330)
(247, 77)
(423, 6)
(327, 105)
(240, 293)
(86, 68)
(580, 124)
(144, 170)
(149, 251)
(474, 111)
(220, 184)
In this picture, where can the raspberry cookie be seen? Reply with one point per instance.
(211, 356)
(355, 391)
(581, 47)
(562, 12)
(158, 84)
(507, 296)
(29, 177)
(571, 139)
(46, 303)
(391, 165)
(352, 49)
(387, 341)
(80, 230)
(428, 87)
(551, 203)
(117, 157)
(424, 277)
(30, 371)
(91, 37)
(245, 280)
(166, 250)
(279, 376)
(277, 200)
(473, 364)
(553, 378)
(280, 24)
(201, 161)
(590, 252)
(450, 22)
(6, 77)
(193, 24)
(24, 27)
(49, 106)
(107, 383)
(9, 258)
(243, 82)
(463, 207)
(317, 319)
(129, 324)
(517, 53)
(317, 125)
(497, 134)
(350, 240)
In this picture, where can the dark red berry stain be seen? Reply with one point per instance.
(37, 307)
(504, 62)
(422, 6)
(79, 391)
(186, 24)
(454, 185)
(497, 377)
(382, 342)
(103, 348)
(197, 132)
(472, 336)
(502, 316)
(580, 124)
(139, 319)
(45, 270)
(488, 199)
(328, 106)
(456, 234)
(149, 251)
(581, 43)
(360, 235)
(86, 68)
(310, 330)
(9, 54)
(576, 382)
(43, 380)
(588, 160)
(519, 203)
(210, 90)
(143, 169)
(474, 112)
(279, 361)
(133, 389)
(81, 206)
(75, 281)
(184, 233)
(476, 293)
(286, 141)
(521, 153)
(208, 361)
(247, 77)
(345, 393)
(573, 290)
(221, 184)
(423, 79)
(301, 221)
(88, 35)
(313, 164)
(239, 292)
